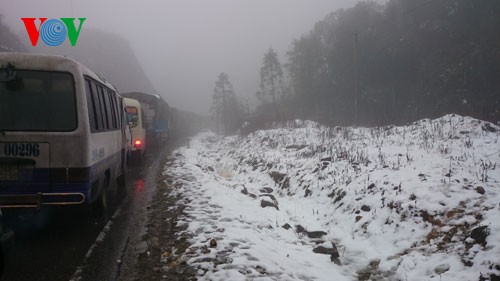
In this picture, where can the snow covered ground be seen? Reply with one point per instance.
(417, 202)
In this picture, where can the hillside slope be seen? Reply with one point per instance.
(307, 202)
(109, 55)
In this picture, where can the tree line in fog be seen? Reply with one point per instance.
(387, 64)
(409, 59)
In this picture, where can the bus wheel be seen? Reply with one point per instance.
(102, 203)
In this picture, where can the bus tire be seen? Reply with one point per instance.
(102, 203)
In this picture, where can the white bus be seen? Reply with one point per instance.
(157, 117)
(63, 134)
(135, 117)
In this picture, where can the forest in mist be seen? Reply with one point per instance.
(375, 64)
(390, 64)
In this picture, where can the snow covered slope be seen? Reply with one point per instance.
(307, 202)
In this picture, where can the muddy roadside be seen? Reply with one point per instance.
(166, 241)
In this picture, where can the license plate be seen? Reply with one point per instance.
(20, 149)
(9, 173)
(37, 151)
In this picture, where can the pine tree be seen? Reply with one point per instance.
(271, 80)
(226, 107)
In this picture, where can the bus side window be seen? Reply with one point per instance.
(98, 107)
(122, 112)
(112, 103)
(117, 110)
(91, 106)
(111, 109)
(105, 108)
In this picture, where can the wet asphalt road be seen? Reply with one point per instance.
(60, 244)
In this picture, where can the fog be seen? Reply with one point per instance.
(184, 44)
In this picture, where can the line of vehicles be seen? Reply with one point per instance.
(67, 134)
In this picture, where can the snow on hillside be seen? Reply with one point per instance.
(307, 202)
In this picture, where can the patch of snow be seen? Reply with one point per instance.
(399, 203)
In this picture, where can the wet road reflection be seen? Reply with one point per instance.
(139, 185)
(52, 244)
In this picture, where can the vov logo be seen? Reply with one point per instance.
(53, 31)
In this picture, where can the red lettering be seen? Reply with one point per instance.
(32, 30)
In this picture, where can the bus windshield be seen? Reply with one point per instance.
(132, 116)
(38, 101)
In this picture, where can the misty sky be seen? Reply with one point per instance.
(184, 44)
